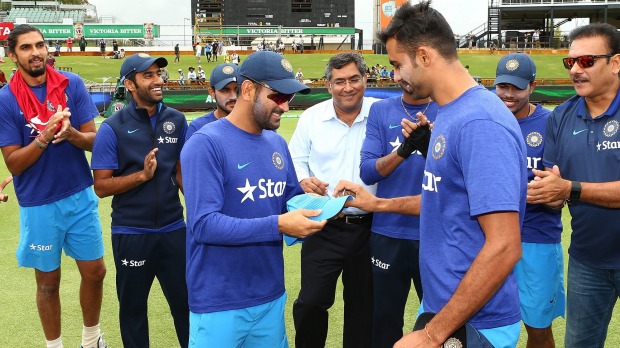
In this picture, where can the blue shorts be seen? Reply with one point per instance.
(500, 337)
(71, 223)
(540, 276)
(259, 326)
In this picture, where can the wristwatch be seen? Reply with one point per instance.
(575, 190)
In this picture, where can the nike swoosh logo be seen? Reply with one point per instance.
(392, 126)
(577, 132)
(132, 131)
(241, 166)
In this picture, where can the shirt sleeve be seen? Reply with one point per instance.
(372, 149)
(105, 149)
(300, 146)
(497, 182)
(10, 129)
(204, 203)
(86, 110)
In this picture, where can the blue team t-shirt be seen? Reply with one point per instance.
(540, 225)
(384, 136)
(234, 192)
(588, 149)
(476, 165)
(199, 122)
(62, 169)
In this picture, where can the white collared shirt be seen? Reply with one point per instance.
(325, 147)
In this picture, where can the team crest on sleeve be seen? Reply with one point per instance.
(439, 147)
(611, 128)
(169, 127)
(534, 139)
(277, 160)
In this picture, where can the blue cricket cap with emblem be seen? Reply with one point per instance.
(329, 206)
(222, 75)
(272, 69)
(138, 63)
(517, 69)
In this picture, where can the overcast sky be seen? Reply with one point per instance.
(463, 16)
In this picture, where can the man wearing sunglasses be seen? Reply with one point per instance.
(238, 176)
(582, 148)
(222, 90)
(325, 148)
(540, 272)
(136, 160)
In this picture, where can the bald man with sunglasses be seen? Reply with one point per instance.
(581, 158)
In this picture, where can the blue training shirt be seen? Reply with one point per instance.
(476, 165)
(384, 136)
(236, 184)
(588, 149)
(540, 225)
(199, 122)
(62, 169)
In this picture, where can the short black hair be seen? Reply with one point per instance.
(604, 30)
(342, 59)
(420, 25)
(20, 30)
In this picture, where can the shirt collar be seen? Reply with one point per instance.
(582, 111)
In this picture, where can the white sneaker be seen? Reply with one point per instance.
(100, 343)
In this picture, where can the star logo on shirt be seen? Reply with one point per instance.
(247, 190)
(598, 147)
(125, 262)
(395, 144)
(32, 246)
(160, 139)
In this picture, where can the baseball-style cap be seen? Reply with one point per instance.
(517, 69)
(272, 69)
(329, 206)
(139, 62)
(465, 336)
(223, 74)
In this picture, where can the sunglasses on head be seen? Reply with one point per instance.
(277, 97)
(585, 61)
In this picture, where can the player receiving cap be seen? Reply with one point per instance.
(238, 178)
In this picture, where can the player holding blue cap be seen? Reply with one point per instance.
(540, 272)
(236, 213)
(223, 90)
(136, 160)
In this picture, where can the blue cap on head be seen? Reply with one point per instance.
(139, 62)
(223, 74)
(273, 70)
(517, 69)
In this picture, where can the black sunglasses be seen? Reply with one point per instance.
(585, 61)
(277, 97)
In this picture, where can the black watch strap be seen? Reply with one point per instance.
(575, 190)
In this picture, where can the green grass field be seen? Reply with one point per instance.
(19, 322)
(313, 65)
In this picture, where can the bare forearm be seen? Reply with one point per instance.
(409, 205)
(81, 140)
(23, 158)
(387, 164)
(606, 194)
(118, 184)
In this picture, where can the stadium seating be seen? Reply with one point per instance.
(35, 15)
